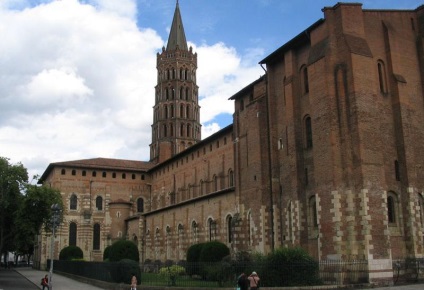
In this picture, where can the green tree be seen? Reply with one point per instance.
(34, 212)
(13, 178)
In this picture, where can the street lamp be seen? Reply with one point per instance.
(55, 220)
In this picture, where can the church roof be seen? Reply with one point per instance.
(177, 36)
(100, 163)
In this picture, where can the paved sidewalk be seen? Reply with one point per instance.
(29, 279)
(59, 282)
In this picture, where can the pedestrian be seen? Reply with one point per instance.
(133, 282)
(45, 282)
(242, 282)
(254, 281)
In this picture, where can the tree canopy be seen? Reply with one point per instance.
(24, 208)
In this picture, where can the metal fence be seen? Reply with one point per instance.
(408, 270)
(222, 274)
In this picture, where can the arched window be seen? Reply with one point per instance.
(212, 229)
(96, 237)
(249, 228)
(230, 178)
(104, 174)
(308, 132)
(392, 208)
(201, 188)
(99, 203)
(229, 229)
(421, 204)
(397, 170)
(93, 174)
(72, 234)
(84, 173)
(124, 176)
(304, 79)
(63, 172)
(73, 172)
(73, 204)
(172, 111)
(188, 130)
(313, 217)
(194, 231)
(140, 205)
(182, 111)
(382, 76)
(188, 112)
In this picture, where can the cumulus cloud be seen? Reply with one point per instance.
(77, 81)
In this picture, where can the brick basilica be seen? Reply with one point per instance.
(326, 152)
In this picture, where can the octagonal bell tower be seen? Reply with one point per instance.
(176, 119)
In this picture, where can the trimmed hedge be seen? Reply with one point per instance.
(123, 249)
(124, 270)
(213, 251)
(71, 253)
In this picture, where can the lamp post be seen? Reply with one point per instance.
(55, 219)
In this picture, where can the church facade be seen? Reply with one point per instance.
(325, 152)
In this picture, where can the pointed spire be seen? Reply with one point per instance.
(177, 36)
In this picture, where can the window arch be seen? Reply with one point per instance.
(201, 187)
(73, 204)
(99, 203)
(313, 216)
(304, 79)
(421, 204)
(392, 208)
(194, 231)
(308, 132)
(229, 229)
(140, 205)
(382, 80)
(96, 237)
(211, 229)
(230, 178)
(72, 234)
(249, 228)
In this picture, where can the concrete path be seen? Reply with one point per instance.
(29, 279)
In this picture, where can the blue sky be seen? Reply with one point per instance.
(77, 77)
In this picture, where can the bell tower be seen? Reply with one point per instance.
(176, 124)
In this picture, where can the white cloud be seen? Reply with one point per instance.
(77, 81)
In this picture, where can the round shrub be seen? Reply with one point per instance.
(213, 251)
(71, 253)
(122, 271)
(106, 253)
(290, 267)
(193, 253)
(193, 257)
(123, 250)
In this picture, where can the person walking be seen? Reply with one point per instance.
(242, 282)
(133, 282)
(254, 281)
(45, 282)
